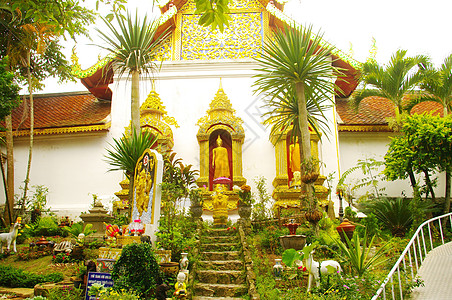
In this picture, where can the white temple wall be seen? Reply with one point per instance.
(358, 145)
(71, 166)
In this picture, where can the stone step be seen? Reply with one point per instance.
(219, 239)
(220, 247)
(220, 265)
(220, 232)
(223, 255)
(215, 298)
(223, 277)
(220, 290)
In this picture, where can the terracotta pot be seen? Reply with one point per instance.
(345, 228)
(244, 211)
(309, 177)
(169, 268)
(296, 242)
(196, 211)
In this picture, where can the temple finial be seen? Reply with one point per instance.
(153, 84)
(221, 85)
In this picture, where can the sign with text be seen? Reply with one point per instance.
(100, 278)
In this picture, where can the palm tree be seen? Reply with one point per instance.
(393, 81)
(297, 64)
(125, 152)
(438, 87)
(133, 47)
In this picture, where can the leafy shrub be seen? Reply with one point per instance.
(62, 258)
(13, 277)
(269, 239)
(394, 214)
(66, 293)
(77, 228)
(25, 253)
(47, 226)
(136, 270)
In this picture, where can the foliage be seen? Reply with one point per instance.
(76, 228)
(438, 84)
(392, 81)
(124, 153)
(213, 13)
(175, 230)
(62, 258)
(47, 226)
(9, 90)
(358, 256)
(39, 199)
(350, 214)
(66, 292)
(260, 210)
(290, 257)
(195, 197)
(26, 253)
(370, 178)
(245, 198)
(371, 225)
(136, 270)
(13, 277)
(393, 213)
(269, 239)
(424, 147)
(111, 294)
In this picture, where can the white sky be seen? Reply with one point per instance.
(419, 26)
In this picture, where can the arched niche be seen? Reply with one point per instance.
(226, 139)
(220, 118)
(284, 195)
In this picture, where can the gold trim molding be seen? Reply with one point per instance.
(63, 130)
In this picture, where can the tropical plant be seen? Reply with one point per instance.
(136, 270)
(394, 81)
(213, 13)
(297, 64)
(77, 228)
(260, 210)
(125, 152)
(393, 213)
(358, 255)
(133, 49)
(438, 87)
(290, 257)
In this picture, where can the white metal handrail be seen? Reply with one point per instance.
(414, 251)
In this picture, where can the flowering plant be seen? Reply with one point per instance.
(245, 195)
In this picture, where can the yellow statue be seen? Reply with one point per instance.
(296, 180)
(220, 206)
(294, 157)
(220, 160)
(143, 187)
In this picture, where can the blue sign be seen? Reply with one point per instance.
(100, 278)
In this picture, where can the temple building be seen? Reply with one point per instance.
(202, 105)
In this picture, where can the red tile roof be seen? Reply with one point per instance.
(64, 111)
(373, 113)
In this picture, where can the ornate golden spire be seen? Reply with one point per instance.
(154, 107)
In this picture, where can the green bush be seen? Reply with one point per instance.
(13, 277)
(47, 226)
(136, 270)
(269, 239)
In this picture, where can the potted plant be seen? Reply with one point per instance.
(196, 202)
(245, 202)
(310, 170)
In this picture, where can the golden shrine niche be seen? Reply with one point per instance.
(220, 137)
(153, 118)
(285, 193)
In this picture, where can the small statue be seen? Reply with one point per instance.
(220, 160)
(296, 181)
(294, 157)
(220, 206)
(181, 288)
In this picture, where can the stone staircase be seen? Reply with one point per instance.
(220, 272)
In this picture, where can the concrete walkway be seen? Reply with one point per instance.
(436, 271)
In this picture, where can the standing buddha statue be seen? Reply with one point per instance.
(220, 160)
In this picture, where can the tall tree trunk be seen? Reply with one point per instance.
(447, 193)
(32, 121)
(305, 147)
(135, 102)
(10, 170)
(428, 182)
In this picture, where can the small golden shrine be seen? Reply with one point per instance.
(220, 137)
(287, 193)
(153, 117)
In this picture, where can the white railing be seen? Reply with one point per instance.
(411, 258)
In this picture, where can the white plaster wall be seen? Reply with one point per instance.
(71, 166)
(359, 145)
